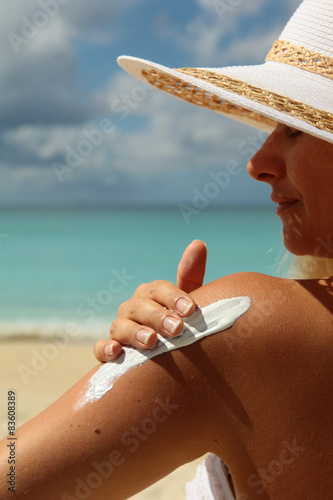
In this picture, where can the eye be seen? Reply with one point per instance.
(293, 133)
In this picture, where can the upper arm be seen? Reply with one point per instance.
(170, 410)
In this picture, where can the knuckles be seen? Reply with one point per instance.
(150, 289)
(122, 308)
(141, 289)
(113, 327)
(131, 308)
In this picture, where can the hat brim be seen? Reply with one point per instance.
(261, 95)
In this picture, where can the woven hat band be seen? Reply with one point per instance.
(320, 119)
(294, 86)
(300, 57)
(199, 97)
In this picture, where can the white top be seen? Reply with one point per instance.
(211, 482)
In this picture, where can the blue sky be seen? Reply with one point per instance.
(60, 83)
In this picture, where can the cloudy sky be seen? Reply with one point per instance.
(61, 89)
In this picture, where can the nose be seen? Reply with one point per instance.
(267, 164)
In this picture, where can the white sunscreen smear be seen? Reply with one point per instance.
(210, 319)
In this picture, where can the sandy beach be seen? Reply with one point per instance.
(38, 381)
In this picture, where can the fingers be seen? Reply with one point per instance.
(191, 269)
(129, 333)
(106, 350)
(159, 306)
(132, 333)
(151, 314)
(162, 294)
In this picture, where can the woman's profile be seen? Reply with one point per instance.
(256, 393)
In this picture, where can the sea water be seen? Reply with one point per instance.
(76, 266)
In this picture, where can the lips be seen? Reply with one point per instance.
(283, 202)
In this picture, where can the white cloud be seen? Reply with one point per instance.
(38, 63)
(44, 110)
(82, 18)
(175, 135)
(226, 32)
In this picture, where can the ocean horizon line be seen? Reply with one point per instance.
(135, 206)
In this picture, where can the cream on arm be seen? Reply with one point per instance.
(113, 443)
(205, 321)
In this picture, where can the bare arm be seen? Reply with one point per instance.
(156, 418)
(216, 395)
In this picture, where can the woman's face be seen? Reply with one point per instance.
(299, 169)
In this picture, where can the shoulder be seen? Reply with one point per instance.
(273, 356)
(277, 305)
(271, 298)
(244, 392)
(255, 285)
(255, 333)
(286, 318)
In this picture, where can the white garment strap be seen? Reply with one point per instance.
(211, 481)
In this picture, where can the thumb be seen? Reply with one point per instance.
(191, 269)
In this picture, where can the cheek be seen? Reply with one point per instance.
(303, 182)
(311, 174)
(311, 169)
(310, 180)
(317, 196)
(318, 210)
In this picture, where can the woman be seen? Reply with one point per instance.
(258, 395)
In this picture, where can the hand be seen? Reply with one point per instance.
(156, 306)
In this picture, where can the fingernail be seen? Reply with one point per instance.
(143, 336)
(108, 350)
(183, 305)
(171, 324)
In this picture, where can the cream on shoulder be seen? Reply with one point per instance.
(205, 321)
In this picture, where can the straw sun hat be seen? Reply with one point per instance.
(294, 86)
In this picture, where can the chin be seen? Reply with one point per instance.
(299, 245)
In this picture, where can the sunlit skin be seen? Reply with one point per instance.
(241, 394)
(299, 169)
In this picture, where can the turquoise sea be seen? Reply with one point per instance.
(69, 270)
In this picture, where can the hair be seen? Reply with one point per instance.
(307, 267)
